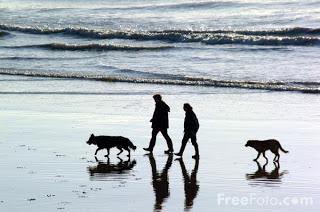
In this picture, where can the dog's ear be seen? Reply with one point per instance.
(92, 135)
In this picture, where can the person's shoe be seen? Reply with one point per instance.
(196, 156)
(147, 149)
(178, 154)
(169, 151)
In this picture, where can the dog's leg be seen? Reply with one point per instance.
(107, 155)
(259, 153)
(128, 152)
(278, 157)
(265, 156)
(97, 151)
(276, 153)
(121, 150)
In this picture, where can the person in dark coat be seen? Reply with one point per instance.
(191, 127)
(160, 123)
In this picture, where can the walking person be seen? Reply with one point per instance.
(191, 127)
(160, 123)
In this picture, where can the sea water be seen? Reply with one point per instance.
(269, 45)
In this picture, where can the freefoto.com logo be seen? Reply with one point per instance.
(253, 199)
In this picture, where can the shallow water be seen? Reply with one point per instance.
(270, 45)
(48, 166)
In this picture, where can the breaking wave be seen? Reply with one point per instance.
(304, 87)
(92, 47)
(291, 36)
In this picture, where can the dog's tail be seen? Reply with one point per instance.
(131, 146)
(285, 151)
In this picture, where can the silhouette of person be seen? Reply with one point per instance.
(191, 186)
(160, 181)
(160, 123)
(191, 127)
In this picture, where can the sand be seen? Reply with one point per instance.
(47, 166)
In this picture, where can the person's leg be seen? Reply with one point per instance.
(168, 139)
(152, 140)
(183, 144)
(195, 144)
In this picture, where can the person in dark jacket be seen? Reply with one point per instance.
(191, 127)
(160, 123)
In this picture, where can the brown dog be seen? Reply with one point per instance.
(262, 146)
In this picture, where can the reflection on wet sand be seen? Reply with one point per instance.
(160, 181)
(266, 178)
(191, 186)
(104, 170)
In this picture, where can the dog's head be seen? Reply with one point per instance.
(249, 143)
(91, 140)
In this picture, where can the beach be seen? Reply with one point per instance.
(73, 68)
(47, 164)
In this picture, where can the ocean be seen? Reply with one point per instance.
(271, 45)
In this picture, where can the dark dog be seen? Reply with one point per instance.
(108, 142)
(262, 146)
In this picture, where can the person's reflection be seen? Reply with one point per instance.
(104, 169)
(191, 186)
(268, 177)
(160, 181)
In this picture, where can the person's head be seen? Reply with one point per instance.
(187, 107)
(157, 97)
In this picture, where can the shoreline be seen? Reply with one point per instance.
(263, 86)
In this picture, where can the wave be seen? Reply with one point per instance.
(92, 47)
(2, 34)
(294, 31)
(177, 6)
(264, 41)
(291, 36)
(304, 87)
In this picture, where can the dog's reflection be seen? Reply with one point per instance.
(160, 181)
(105, 169)
(191, 186)
(261, 175)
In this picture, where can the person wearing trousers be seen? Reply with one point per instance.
(191, 127)
(160, 123)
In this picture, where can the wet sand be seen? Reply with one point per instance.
(47, 166)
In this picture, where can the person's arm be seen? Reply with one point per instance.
(154, 114)
(196, 121)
